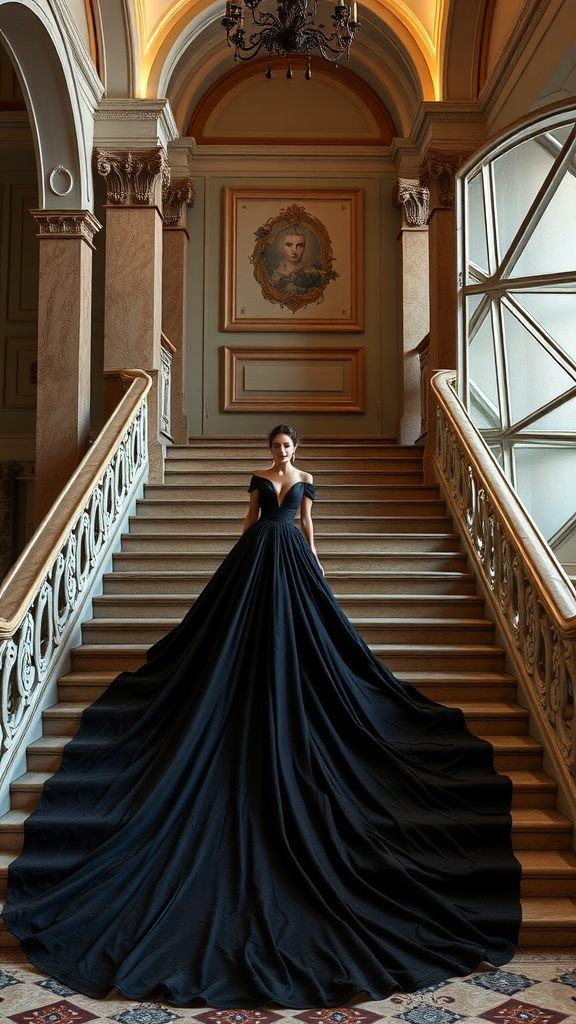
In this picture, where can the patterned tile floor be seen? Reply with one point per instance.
(535, 988)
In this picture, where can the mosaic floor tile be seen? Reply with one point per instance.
(429, 1015)
(567, 979)
(501, 981)
(61, 1012)
(237, 1016)
(8, 979)
(340, 1015)
(514, 1012)
(56, 987)
(146, 1014)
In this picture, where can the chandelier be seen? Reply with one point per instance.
(290, 30)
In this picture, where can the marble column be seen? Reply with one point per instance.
(412, 199)
(133, 279)
(64, 307)
(177, 196)
(437, 174)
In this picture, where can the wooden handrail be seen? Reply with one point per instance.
(546, 572)
(533, 600)
(24, 580)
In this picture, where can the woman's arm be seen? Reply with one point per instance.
(307, 527)
(253, 511)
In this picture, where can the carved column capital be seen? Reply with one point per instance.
(414, 201)
(175, 194)
(438, 169)
(131, 176)
(66, 224)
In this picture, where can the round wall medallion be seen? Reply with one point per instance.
(61, 181)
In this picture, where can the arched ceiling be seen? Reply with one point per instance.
(167, 27)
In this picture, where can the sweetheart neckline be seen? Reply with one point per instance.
(276, 492)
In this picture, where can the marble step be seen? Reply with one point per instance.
(487, 717)
(540, 828)
(86, 686)
(306, 450)
(212, 492)
(548, 921)
(344, 582)
(413, 509)
(372, 631)
(424, 561)
(323, 524)
(322, 478)
(313, 464)
(175, 606)
(545, 873)
(398, 657)
(25, 791)
(191, 541)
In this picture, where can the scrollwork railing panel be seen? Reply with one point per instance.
(42, 595)
(533, 597)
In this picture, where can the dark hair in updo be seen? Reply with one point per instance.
(282, 428)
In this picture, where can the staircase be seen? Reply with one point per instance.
(396, 567)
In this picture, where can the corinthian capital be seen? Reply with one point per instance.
(439, 169)
(131, 176)
(176, 194)
(414, 201)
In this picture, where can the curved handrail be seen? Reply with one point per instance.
(24, 580)
(531, 594)
(44, 593)
(548, 575)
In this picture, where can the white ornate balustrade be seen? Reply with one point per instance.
(42, 598)
(533, 599)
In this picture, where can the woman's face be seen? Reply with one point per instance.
(282, 449)
(293, 246)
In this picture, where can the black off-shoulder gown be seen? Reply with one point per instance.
(264, 813)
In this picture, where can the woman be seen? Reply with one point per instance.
(263, 812)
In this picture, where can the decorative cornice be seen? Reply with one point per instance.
(66, 224)
(134, 124)
(440, 168)
(131, 176)
(414, 200)
(175, 194)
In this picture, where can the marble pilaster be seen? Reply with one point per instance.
(178, 195)
(412, 199)
(64, 330)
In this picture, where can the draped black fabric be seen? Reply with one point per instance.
(264, 813)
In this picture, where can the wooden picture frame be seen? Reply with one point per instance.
(327, 379)
(293, 259)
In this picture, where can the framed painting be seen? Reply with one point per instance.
(293, 259)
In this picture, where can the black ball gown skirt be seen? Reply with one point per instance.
(264, 813)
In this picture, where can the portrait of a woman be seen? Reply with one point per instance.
(295, 274)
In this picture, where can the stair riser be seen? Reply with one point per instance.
(110, 607)
(312, 464)
(439, 661)
(158, 526)
(166, 562)
(240, 481)
(326, 491)
(520, 762)
(533, 840)
(556, 935)
(79, 692)
(95, 632)
(311, 454)
(497, 726)
(13, 840)
(445, 693)
(207, 543)
(548, 886)
(214, 510)
(540, 800)
(387, 585)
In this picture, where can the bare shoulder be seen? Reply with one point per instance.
(306, 478)
(262, 474)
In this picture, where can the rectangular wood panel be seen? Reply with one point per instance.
(293, 379)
